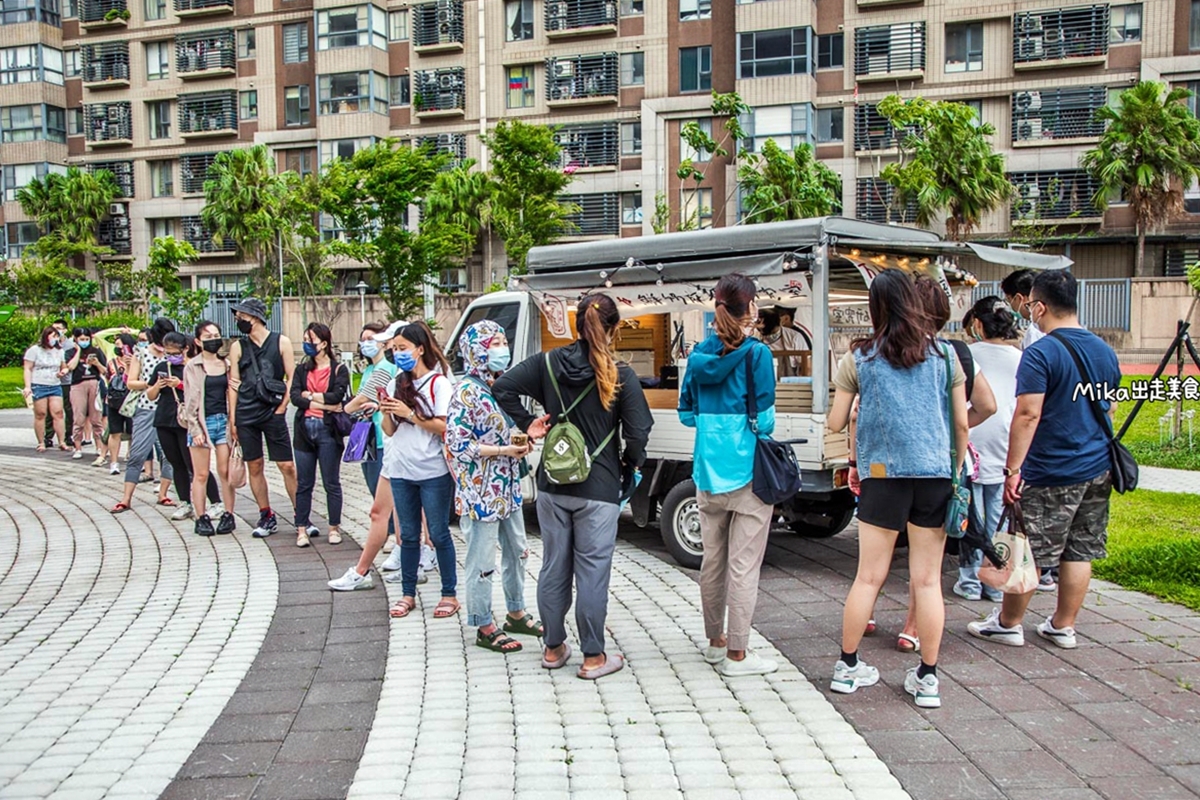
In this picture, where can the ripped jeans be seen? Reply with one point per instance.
(479, 567)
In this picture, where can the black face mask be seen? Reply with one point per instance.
(245, 325)
(211, 345)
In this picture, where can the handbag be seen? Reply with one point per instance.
(1019, 573)
(237, 468)
(271, 391)
(1124, 467)
(958, 510)
(358, 448)
(776, 470)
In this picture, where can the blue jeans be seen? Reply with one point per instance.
(987, 504)
(480, 564)
(328, 453)
(371, 471)
(433, 496)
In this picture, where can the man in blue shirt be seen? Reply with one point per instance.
(1058, 462)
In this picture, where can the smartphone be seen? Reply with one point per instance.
(127, 350)
(381, 393)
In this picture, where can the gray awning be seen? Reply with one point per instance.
(709, 269)
(1019, 258)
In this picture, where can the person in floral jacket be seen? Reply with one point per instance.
(486, 465)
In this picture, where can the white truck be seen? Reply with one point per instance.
(663, 285)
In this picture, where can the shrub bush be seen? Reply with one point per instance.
(21, 330)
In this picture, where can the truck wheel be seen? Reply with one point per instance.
(680, 524)
(820, 521)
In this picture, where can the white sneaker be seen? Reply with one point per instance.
(313, 530)
(393, 562)
(991, 630)
(183, 512)
(925, 691)
(752, 664)
(352, 581)
(114, 469)
(714, 655)
(1063, 637)
(847, 680)
(398, 577)
(99, 462)
(216, 510)
(78, 454)
(428, 558)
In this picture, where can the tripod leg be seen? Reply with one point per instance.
(1180, 338)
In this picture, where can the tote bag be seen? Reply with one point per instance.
(1020, 574)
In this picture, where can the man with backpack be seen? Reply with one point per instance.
(261, 366)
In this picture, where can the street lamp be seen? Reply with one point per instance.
(361, 288)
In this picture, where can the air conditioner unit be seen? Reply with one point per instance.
(1028, 101)
(1031, 24)
(1029, 129)
(1032, 48)
(446, 81)
(116, 209)
(564, 69)
(446, 13)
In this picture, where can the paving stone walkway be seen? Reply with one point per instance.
(1158, 479)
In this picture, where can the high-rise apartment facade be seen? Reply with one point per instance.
(153, 89)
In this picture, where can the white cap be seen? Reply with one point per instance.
(391, 331)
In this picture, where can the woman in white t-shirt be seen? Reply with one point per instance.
(44, 367)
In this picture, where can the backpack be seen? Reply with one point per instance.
(565, 457)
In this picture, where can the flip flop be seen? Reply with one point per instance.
(525, 626)
(566, 656)
(908, 644)
(119, 508)
(166, 501)
(612, 663)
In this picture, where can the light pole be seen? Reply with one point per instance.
(361, 288)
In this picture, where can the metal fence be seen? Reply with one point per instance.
(220, 311)
(1103, 303)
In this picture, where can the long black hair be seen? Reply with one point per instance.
(322, 333)
(901, 335)
(158, 331)
(420, 335)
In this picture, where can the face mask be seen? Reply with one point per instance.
(498, 358)
(85, 343)
(975, 335)
(176, 359)
(245, 325)
(143, 345)
(368, 349)
(211, 345)
(310, 349)
(53, 341)
(405, 360)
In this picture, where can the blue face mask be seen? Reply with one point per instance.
(498, 358)
(369, 349)
(405, 360)
(84, 343)
(310, 349)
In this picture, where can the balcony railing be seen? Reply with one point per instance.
(889, 50)
(108, 124)
(105, 65)
(1043, 116)
(205, 54)
(193, 171)
(122, 172)
(200, 8)
(440, 92)
(452, 144)
(598, 215)
(115, 232)
(102, 13)
(437, 26)
(875, 201)
(1061, 195)
(199, 237)
(591, 146)
(583, 79)
(580, 17)
(872, 130)
(1046, 37)
(208, 114)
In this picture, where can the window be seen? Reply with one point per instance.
(977, 107)
(356, 26)
(698, 207)
(518, 20)
(161, 228)
(630, 8)
(343, 148)
(19, 65)
(351, 93)
(18, 176)
(631, 208)
(1193, 102)
(70, 8)
(156, 9)
(158, 60)
(782, 52)
(20, 236)
(398, 25)
(1053, 195)
(633, 69)
(71, 63)
(884, 49)
(631, 139)
(246, 45)
(1125, 24)
(964, 47)
(21, 124)
(296, 108)
(695, 69)
(789, 126)
(1067, 113)
(399, 90)
(1052, 34)
(694, 9)
(1194, 26)
(295, 43)
(56, 124)
(75, 122)
(520, 87)
(598, 215)
(162, 178)
(160, 119)
(831, 51)
(686, 152)
(831, 124)
(248, 105)
(299, 161)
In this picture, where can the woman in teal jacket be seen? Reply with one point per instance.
(734, 523)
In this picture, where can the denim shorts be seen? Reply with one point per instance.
(41, 392)
(217, 426)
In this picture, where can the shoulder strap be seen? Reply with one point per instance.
(1101, 418)
(968, 363)
(565, 408)
(954, 473)
(751, 393)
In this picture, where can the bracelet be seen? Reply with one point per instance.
(853, 463)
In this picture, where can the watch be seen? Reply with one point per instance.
(1008, 473)
(411, 415)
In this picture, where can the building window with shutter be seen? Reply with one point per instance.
(295, 43)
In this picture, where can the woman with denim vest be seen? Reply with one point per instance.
(902, 442)
(734, 523)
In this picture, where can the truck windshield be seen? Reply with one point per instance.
(506, 314)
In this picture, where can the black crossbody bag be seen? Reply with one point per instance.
(776, 470)
(270, 391)
(1124, 466)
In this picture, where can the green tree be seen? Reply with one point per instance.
(244, 198)
(307, 259)
(462, 197)
(1149, 153)
(40, 286)
(185, 306)
(727, 111)
(68, 208)
(161, 273)
(661, 221)
(780, 186)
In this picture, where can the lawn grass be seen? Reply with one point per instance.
(12, 381)
(1154, 545)
(1142, 436)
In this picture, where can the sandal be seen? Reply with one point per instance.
(119, 508)
(550, 663)
(497, 642)
(446, 608)
(41, 448)
(906, 643)
(166, 501)
(401, 608)
(612, 663)
(525, 626)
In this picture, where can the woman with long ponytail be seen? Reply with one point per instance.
(715, 400)
(578, 521)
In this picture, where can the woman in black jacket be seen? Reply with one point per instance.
(578, 521)
(318, 389)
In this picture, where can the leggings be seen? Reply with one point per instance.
(175, 446)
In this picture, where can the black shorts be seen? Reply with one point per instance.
(274, 430)
(895, 503)
(118, 424)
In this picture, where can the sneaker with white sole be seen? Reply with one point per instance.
(847, 680)
(991, 630)
(967, 594)
(752, 664)
(78, 454)
(388, 546)
(392, 564)
(1046, 583)
(183, 512)
(100, 461)
(352, 581)
(267, 524)
(925, 691)
(114, 469)
(1063, 637)
(215, 510)
(313, 530)
(714, 655)
(428, 558)
(398, 577)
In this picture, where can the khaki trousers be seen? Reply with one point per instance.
(734, 528)
(89, 424)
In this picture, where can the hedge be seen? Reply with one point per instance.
(21, 330)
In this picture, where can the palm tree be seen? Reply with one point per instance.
(68, 207)
(243, 202)
(780, 186)
(461, 197)
(1149, 153)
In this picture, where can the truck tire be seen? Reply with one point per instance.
(820, 521)
(680, 524)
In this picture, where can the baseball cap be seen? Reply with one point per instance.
(391, 331)
(252, 306)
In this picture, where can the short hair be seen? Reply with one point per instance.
(770, 320)
(374, 327)
(80, 332)
(1059, 290)
(1017, 282)
(62, 322)
(176, 339)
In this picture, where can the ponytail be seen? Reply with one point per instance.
(595, 321)
(733, 294)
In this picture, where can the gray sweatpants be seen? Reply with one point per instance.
(578, 538)
(141, 446)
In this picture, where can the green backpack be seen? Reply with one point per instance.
(565, 457)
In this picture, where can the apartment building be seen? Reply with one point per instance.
(154, 89)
